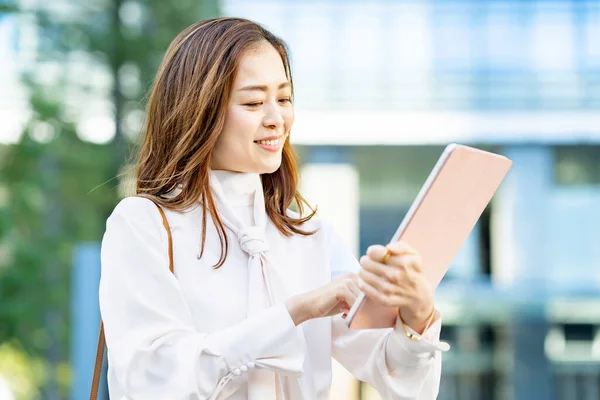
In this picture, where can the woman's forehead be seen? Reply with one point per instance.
(260, 66)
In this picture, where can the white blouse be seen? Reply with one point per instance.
(206, 333)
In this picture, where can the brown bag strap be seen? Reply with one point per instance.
(101, 340)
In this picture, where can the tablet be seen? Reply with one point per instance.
(454, 196)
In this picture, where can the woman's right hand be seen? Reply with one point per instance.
(334, 298)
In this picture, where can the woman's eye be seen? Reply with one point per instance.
(255, 104)
(286, 100)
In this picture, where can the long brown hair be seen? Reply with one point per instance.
(186, 114)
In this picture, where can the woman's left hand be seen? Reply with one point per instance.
(398, 281)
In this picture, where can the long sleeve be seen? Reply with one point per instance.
(154, 349)
(396, 366)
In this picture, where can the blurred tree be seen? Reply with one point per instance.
(55, 188)
(6, 7)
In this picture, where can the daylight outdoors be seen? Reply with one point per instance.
(381, 87)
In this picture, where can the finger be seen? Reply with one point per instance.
(343, 310)
(353, 286)
(351, 281)
(379, 283)
(401, 247)
(376, 252)
(351, 278)
(347, 296)
(406, 262)
(390, 272)
(380, 298)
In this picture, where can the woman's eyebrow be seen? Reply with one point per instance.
(262, 88)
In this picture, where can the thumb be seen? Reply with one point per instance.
(376, 252)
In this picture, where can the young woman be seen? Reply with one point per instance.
(254, 307)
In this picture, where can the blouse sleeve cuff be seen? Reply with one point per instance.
(262, 336)
(403, 351)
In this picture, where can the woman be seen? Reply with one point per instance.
(253, 309)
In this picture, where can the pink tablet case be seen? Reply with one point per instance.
(445, 211)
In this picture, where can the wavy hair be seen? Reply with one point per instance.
(186, 114)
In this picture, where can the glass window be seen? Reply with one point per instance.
(577, 165)
(552, 37)
(591, 35)
(453, 39)
(503, 36)
(410, 37)
(311, 39)
(361, 37)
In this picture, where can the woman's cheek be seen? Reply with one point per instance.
(289, 117)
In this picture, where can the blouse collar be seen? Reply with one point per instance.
(238, 187)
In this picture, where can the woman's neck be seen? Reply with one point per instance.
(238, 187)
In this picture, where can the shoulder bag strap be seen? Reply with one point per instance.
(101, 340)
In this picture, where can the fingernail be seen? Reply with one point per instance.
(344, 315)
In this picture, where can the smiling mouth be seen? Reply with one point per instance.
(272, 142)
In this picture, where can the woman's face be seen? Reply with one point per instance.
(258, 117)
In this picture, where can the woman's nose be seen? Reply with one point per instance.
(273, 117)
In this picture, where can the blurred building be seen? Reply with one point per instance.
(382, 86)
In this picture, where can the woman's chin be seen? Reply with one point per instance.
(270, 166)
(271, 169)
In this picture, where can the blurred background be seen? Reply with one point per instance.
(381, 87)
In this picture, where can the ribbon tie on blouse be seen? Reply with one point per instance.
(252, 240)
(264, 382)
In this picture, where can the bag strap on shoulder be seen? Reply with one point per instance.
(101, 339)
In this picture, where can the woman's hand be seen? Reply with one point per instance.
(334, 298)
(397, 280)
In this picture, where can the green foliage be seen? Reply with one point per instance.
(47, 212)
(57, 190)
(23, 373)
(7, 6)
